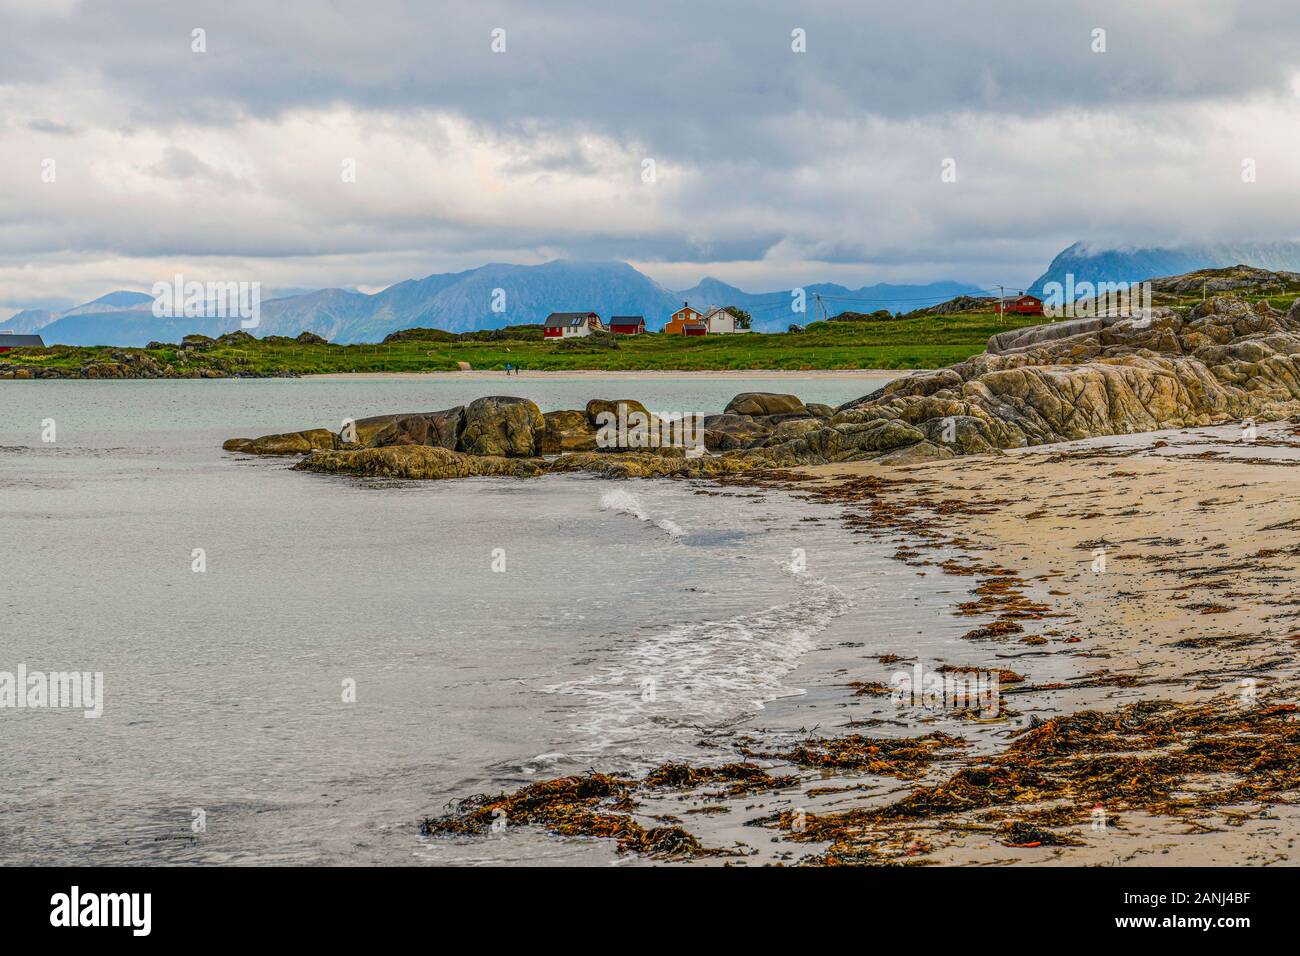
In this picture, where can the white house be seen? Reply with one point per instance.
(721, 322)
(565, 325)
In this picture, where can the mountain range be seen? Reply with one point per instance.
(1094, 262)
(463, 302)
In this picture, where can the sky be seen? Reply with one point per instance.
(356, 144)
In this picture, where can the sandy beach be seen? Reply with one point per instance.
(1138, 595)
(1196, 602)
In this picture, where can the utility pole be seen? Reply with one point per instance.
(821, 309)
(1002, 305)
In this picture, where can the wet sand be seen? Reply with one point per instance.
(1147, 713)
(1198, 600)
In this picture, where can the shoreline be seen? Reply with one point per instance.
(775, 374)
(1195, 608)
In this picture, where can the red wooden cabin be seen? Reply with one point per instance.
(1020, 305)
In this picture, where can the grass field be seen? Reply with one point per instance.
(928, 342)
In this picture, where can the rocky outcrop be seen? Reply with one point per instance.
(657, 464)
(436, 429)
(598, 406)
(1226, 359)
(416, 461)
(289, 443)
(567, 431)
(508, 427)
(134, 364)
(765, 403)
(729, 432)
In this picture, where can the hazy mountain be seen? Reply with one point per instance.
(34, 320)
(1094, 262)
(29, 320)
(465, 301)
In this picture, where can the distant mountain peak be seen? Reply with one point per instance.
(1095, 261)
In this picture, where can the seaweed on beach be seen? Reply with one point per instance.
(590, 805)
(1154, 757)
(742, 778)
(902, 757)
(604, 805)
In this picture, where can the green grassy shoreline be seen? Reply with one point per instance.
(903, 343)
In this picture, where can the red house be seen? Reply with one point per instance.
(695, 328)
(627, 324)
(1021, 305)
(11, 340)
(564, 325)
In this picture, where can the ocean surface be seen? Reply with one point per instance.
(353, 655)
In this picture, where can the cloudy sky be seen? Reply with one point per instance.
(129, 155)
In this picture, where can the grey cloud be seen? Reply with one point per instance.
(711, 87)
(51, 127)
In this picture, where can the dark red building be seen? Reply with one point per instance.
(1020, 305)
(10, 340)
(627, 324)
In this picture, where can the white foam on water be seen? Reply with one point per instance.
(626, 502)
(655, 694)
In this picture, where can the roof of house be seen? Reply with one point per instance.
(695, 325)
(715, 310)
(9, 340)
(626, 319)
(561, 319)
(686, 308)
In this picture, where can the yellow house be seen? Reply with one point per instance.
(678, 320)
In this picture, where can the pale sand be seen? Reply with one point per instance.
(1180, 533)
(846, 374)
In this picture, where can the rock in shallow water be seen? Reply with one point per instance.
(509, 427)
(289, 443)
(416, 461)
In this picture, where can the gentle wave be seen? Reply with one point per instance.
(626, 502)
(662, 690)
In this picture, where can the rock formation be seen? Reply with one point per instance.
(508, 427)
(1105, 375)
